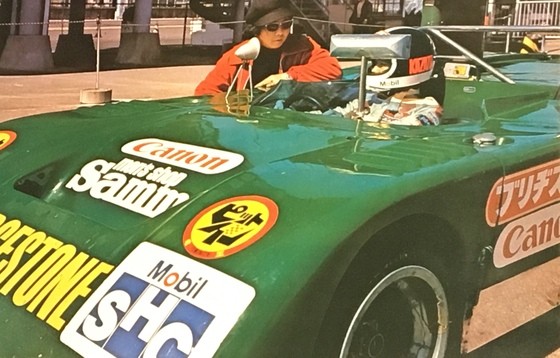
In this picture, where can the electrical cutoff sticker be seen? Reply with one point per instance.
(158, 303)
(6, 138)
(229, 226)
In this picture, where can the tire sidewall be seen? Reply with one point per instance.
(360, 279)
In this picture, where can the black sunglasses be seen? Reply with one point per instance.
(275, 25)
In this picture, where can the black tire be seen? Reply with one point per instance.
(396, 308)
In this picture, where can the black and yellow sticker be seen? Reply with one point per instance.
(229, 226)
(6, 138)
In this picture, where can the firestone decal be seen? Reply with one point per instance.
(528, 235)
(43, 274)
(158, 303)
(187, 156)
(133, 185)
(6, 138)
(229, 226)
(523, 192)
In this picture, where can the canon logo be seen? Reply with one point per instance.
(199, 159)
(527, 236)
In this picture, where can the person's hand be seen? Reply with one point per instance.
(272, 80)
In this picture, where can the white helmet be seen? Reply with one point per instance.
(397, 73)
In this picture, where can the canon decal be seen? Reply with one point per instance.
(187, 156)
(527, 236)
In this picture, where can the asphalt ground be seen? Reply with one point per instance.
(180, 69)
(533, 296)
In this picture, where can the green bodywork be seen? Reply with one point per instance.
(337, 183)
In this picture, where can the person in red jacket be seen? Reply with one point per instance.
(283, 55)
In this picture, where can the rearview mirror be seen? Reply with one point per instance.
(382, 47)
(250, 50)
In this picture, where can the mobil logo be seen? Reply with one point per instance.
(158, 303)
(136, 319)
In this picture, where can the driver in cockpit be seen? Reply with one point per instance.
(402, 91)
(283, 55)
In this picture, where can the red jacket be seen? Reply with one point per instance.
(302, 58)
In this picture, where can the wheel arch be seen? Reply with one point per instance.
(425, 232)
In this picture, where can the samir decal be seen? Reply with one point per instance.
(229, 226)
(527, 236)
(187, 156)
(42, 274)
(523, 192)
(6, 138)
(133, 185)
(158, 303)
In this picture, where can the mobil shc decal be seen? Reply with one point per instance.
(187, 156)
(44, 275)
(6, 138)
(229, 226)
(147, 188)
(526, 200)
(158, 303)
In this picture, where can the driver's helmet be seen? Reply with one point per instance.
(404, 73)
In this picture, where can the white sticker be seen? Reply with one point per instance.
(528, 235)
(108, 181)
(158, 303)
(187, 156)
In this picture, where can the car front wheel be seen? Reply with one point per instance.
(405, 314)
(401, 302)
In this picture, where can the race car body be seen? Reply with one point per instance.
(186, 227)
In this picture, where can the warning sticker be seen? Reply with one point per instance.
(229, 226)
(6, 138)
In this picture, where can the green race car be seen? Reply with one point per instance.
(266, 225)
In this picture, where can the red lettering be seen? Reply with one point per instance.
(420, 64)
(513, 235)
(184, 155)
(549, 229)
(171, 279)
(217, 162)
(530, 240)
(196, 158)
(138, 148)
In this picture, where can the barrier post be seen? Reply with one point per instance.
(97, 51)
(96, 95)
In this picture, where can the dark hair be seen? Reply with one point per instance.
(250, 31)
(262, 12)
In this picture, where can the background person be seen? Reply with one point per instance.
(362, 15)
(412, 12)
(282, 56)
